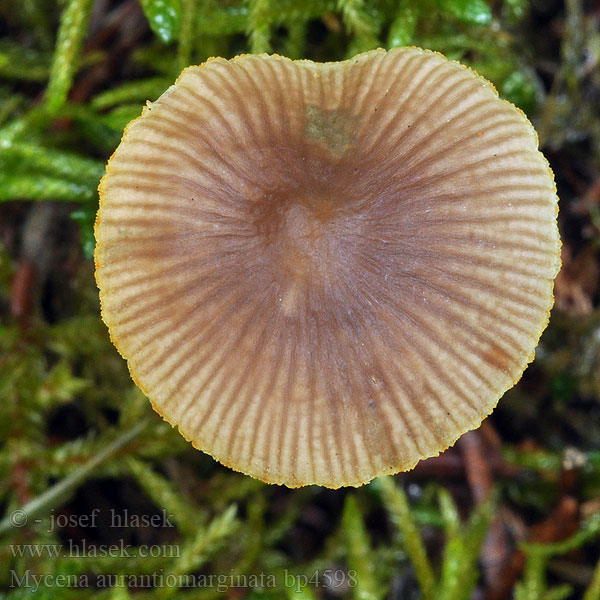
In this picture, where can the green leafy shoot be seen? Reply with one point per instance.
(534, 584)
(476, 12)
(164, 17)
(73, 28)
(360, 555)
(459, 573)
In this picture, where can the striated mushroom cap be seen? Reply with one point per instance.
(322, 273)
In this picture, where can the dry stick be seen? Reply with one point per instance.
(477, 468)
(128, 24)
(62, 490)
(35, 253)
(496, 550)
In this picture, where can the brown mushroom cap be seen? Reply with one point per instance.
(322, 273)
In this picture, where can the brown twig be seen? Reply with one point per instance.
(476, 451)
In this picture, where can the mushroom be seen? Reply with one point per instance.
(323, 273)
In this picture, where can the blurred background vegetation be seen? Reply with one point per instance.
(512, 511)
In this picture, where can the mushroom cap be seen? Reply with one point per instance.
(323, 273)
